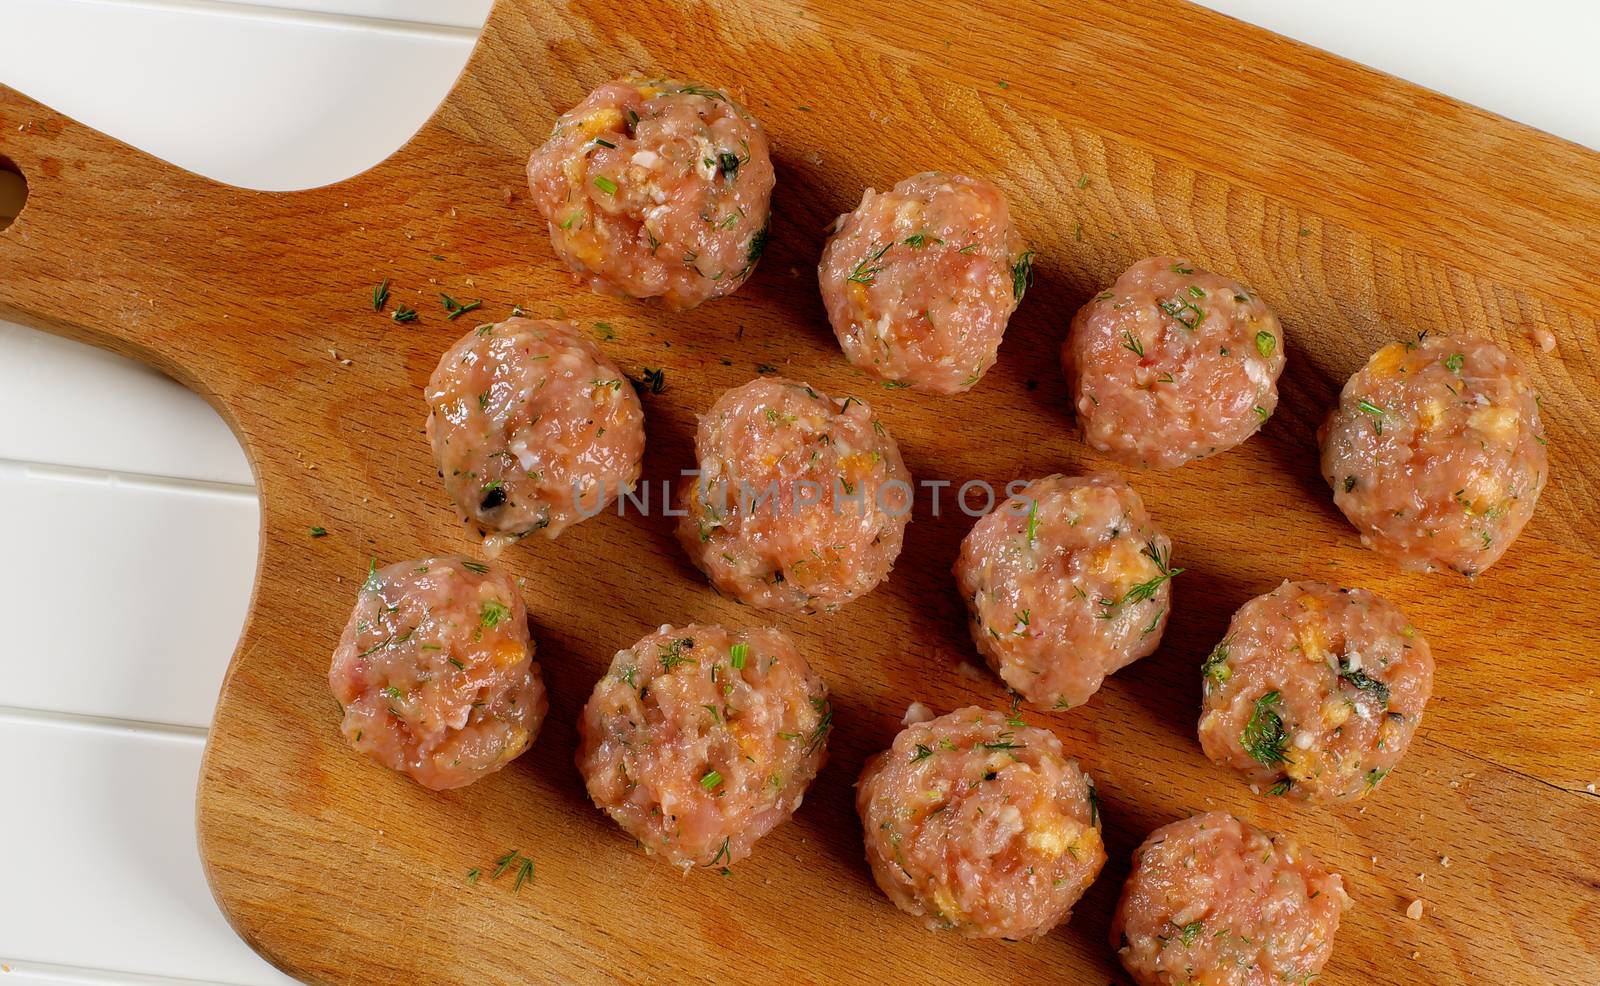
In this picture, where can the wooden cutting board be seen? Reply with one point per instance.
(1361, 208)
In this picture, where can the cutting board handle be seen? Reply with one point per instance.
(103, 249)
(121, 249)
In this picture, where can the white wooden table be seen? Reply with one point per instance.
(127, 513)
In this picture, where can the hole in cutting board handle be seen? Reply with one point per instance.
(13, 191)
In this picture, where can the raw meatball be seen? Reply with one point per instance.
(699, 741)
(1214, 900)
(1066, 583)
(920, 281)
(435, 671)
(533, 428)
(1435, 452)
(801, 501)
(656, 189)
(1315, 691)
(980, 824)
(1172, 364)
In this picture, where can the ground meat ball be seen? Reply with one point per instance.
(1435, 452)
(656, 189)
(698, 741)
(1172, 364)
(801, 502)
(981, 825)
(1066, 583)
(920, 281)
(533, 428)
(1216, 901)
(435, 671)
(1315, 691)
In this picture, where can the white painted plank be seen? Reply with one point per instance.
(467, 14)
(134, 593)
(1531, 61)
(100, 870)
(265, 102)
(74, 405)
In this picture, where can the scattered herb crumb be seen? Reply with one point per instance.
(653, 379)
(514, 861)
(504, 863)
(524, 874)
(455, 309)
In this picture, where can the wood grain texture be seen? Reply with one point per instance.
(1361, 208)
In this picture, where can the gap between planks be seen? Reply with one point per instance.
(302, 17)
(22, 716)
(18, 469)
(90, 976)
